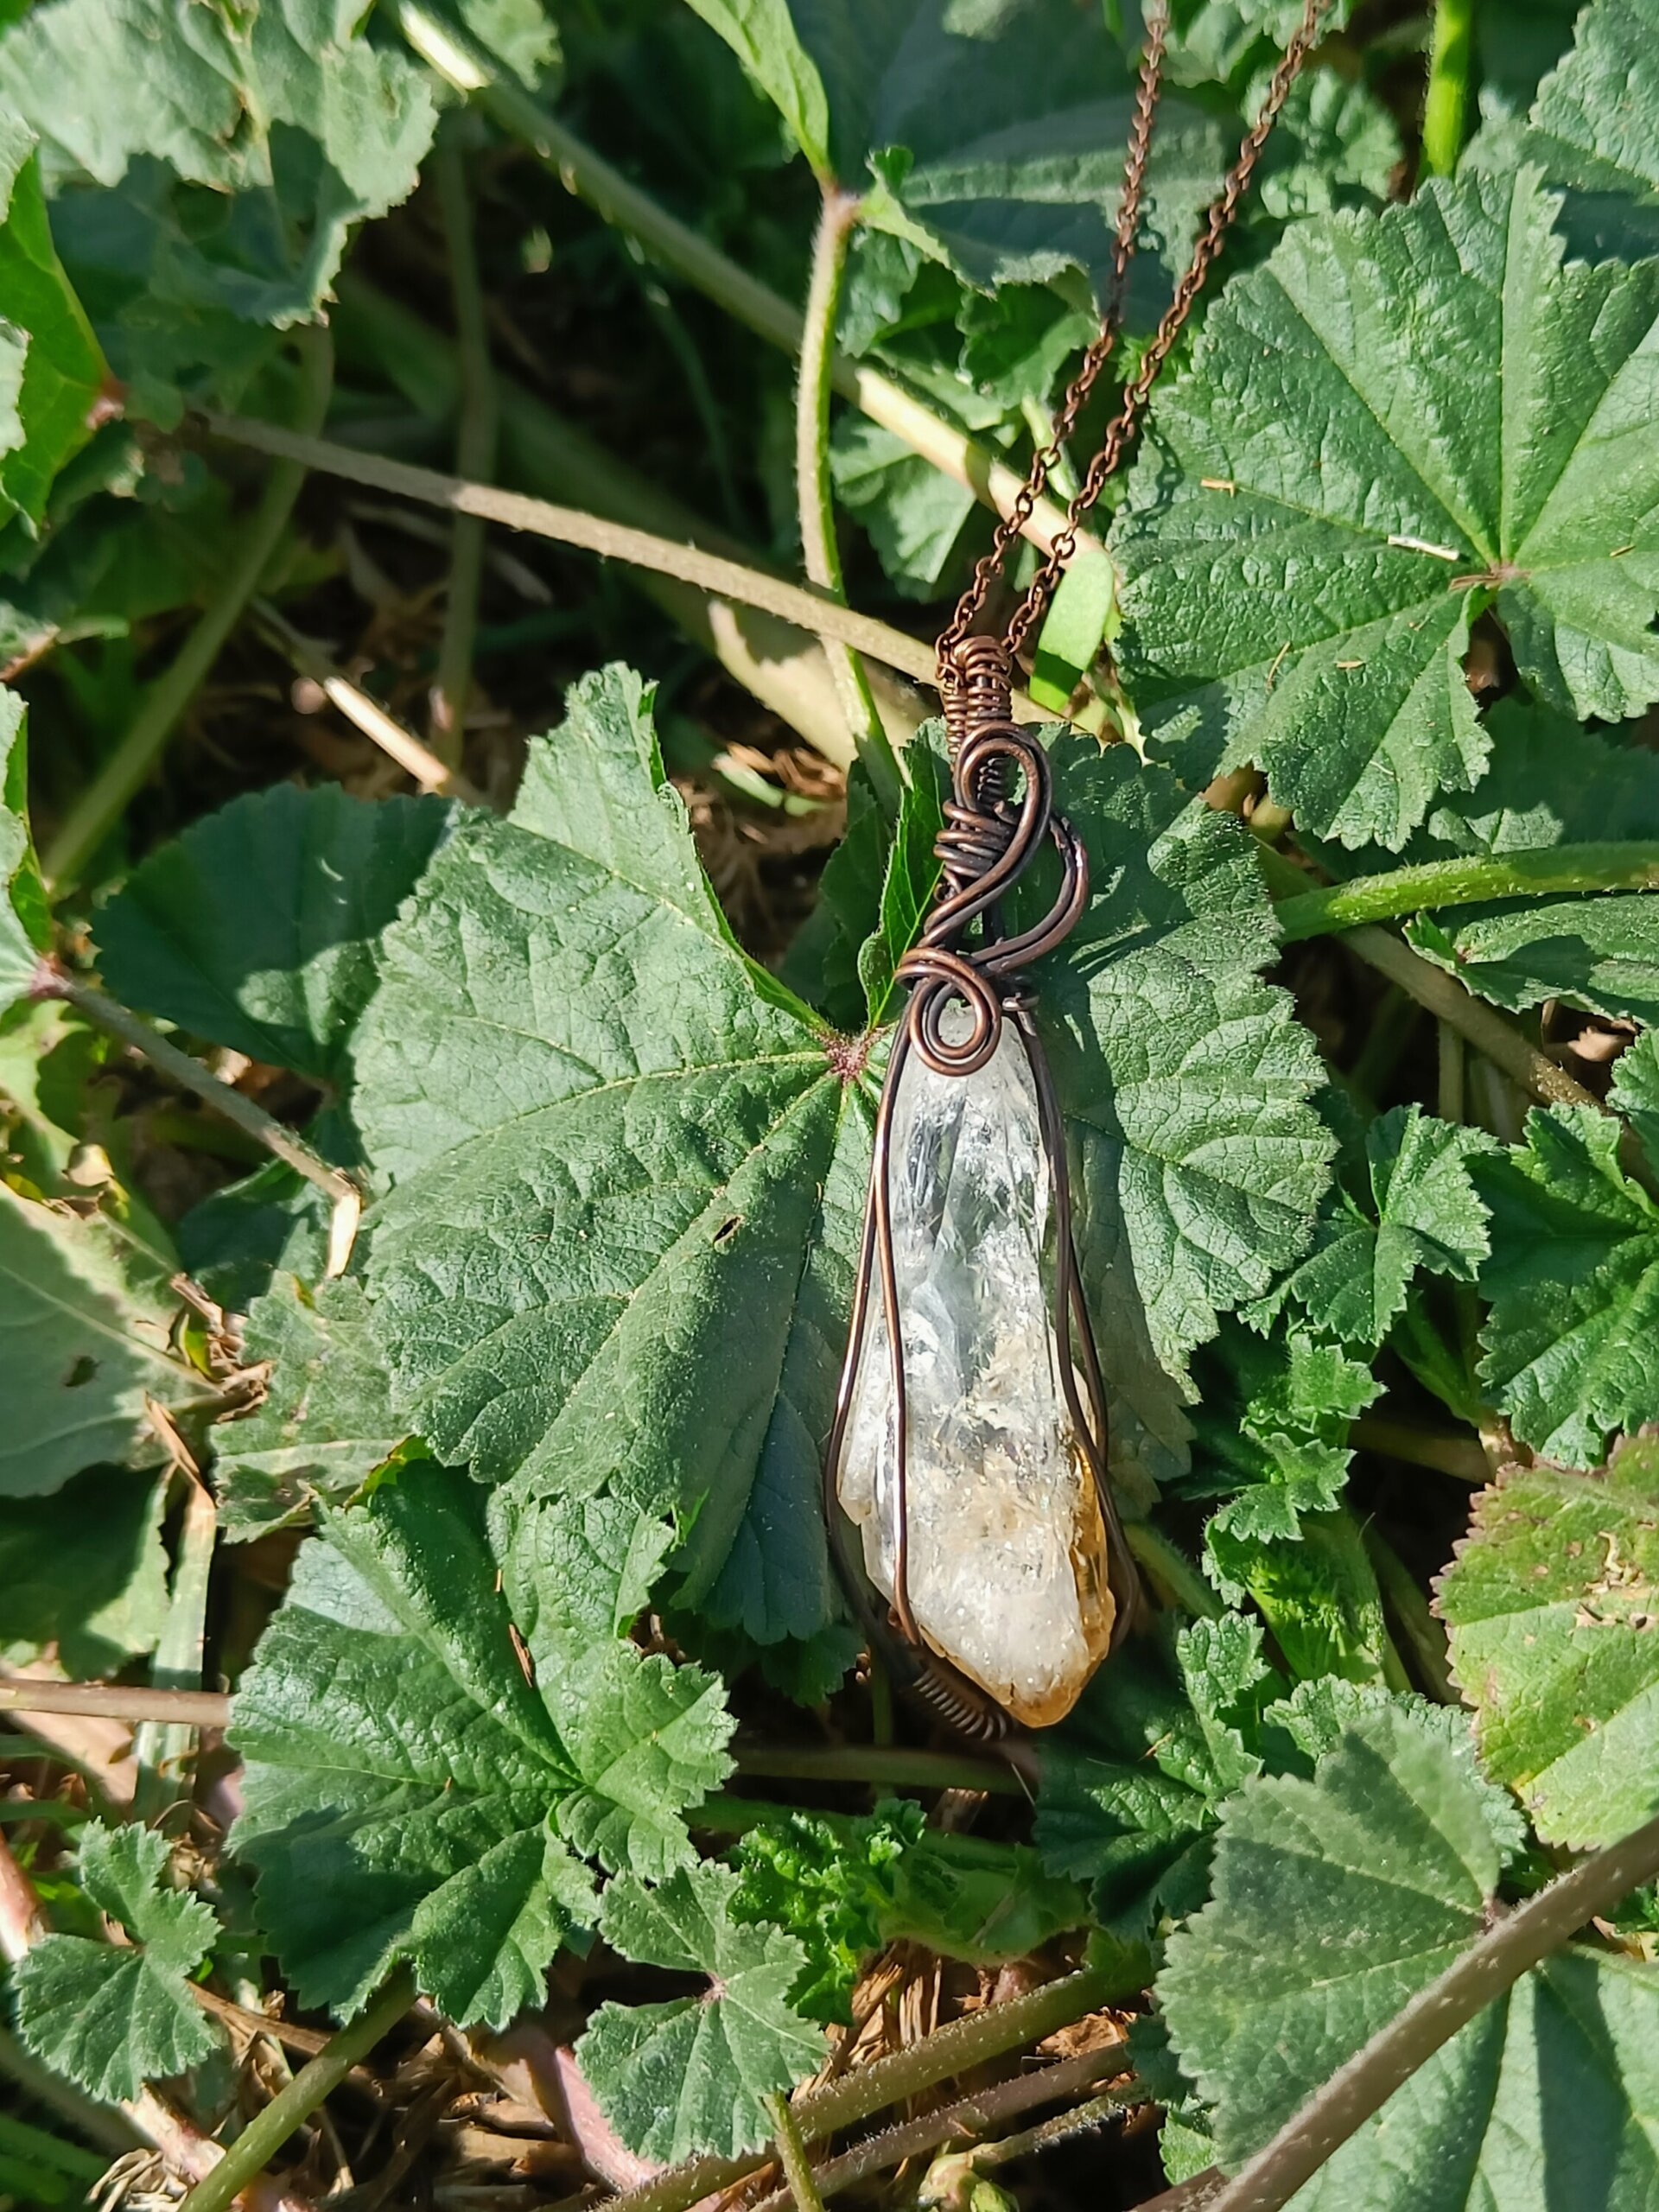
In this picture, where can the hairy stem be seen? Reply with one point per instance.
(476, 431)
(1445, 105)
(53, 982)
(802, 2189)
(94, 814)
(1490, 1966)
(1171, 1575)
(1486, 1030)
(893, 1767)
(974, 2115)
(920, 2066)
(265, 2135)
(111, 1701)
(709, 572)
(814, 504)
(1424, 1636)
(442, 44)
(1612, 866)
(160, 1747)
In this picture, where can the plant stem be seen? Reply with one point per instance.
(1613, 866)
(893, 1766)
(949, 2051)
(709, 572)
(1445, 105)
(813, 501)
(53, 982)
(159, 1746)
(108, 1702)
(265, 2135)
(416, 761)
(89, 820)
(476, 432)
(1446, 1452)
(976, 2115)
(1424, 1636)
(1450, 1101)
(802, 2191)
(1170, 1572)
(444, 46)
(1445, 997)
(1490, 1967)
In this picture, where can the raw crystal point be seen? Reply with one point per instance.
(1007, 1548)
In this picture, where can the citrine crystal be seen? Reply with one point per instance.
(1008, 1561)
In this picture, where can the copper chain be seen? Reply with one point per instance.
(1222, 209)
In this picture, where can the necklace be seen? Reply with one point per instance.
(965, 1476)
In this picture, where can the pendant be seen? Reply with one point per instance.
(965, 1474)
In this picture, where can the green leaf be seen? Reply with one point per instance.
(110, 2019)
(50, 370)
(1281, 618)
(84, 1574)
(628, 1182)
(236, 1240)
(1591, 123)
(1572, 1283)
(1272, 1425)
(85, 1343)
(690, 2075)
(990, 138)
(1185, 1079)
(1635, 1089)
(915, 515)
(257, 928)
(1550, 783)
(25, 918)
(1316, 1590)
(912, 875)
(1551, 1605)
(411, 1793)
(1081, 617)
(1337, 1900)
(326, 1421)
(1413, 1206)
(1601, 954)
(1130, 1805)
(829, 1884)
(282, 104)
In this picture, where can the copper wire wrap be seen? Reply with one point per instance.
(999, 818)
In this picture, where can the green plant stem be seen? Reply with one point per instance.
(1490, 1966)
(919, 2067)
(109, 1702)
(1486, 1030)
(476, 433)
(895, 1767)
(94, 814)
(978, 2115)
(814, 503)
(49, 2153)
(1449, 1091)
(112, 2132)
(802, 2191)
(265, 2135)
(1445, 105)
(445, 47)
(709, 572)
(1423, 1634)
(103, 1012)
(1171, 1575)
(159, 1746)
(1444, 1451)
(1613, 866)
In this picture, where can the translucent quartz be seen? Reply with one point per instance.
(1007, 1550)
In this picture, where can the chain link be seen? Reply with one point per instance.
(1213, 237)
